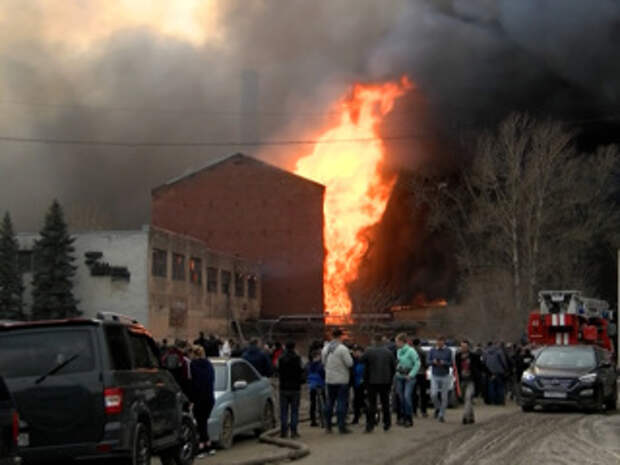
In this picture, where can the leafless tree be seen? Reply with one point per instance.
(529, 205)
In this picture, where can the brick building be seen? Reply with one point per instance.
(248, 208)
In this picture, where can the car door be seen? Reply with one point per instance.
(243, 398)
(145, 382)
(166, 391)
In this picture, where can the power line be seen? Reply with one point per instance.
(110, 143)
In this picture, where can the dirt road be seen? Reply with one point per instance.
(502, 435)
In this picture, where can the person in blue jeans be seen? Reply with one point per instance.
(497, 366)
(315, 375)
(406, 372)
(291, 373)
(440, 359)
(337, 360)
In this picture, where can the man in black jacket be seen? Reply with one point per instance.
(421, 384)
(258, 359)
(380, 366)
(469, 369)
(291, 372)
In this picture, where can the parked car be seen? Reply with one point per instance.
(580, 376)
(244, 402)
(9, 427)
(94, 388)
(452, 396)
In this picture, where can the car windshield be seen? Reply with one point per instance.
(35, 353)
(566, 358)
(221, 377)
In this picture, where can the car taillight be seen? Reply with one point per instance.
(113, 400)
(15, 427)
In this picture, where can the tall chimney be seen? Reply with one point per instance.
(249, 130)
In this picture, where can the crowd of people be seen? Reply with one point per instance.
(345, 378)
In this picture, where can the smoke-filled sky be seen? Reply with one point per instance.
(170, 71)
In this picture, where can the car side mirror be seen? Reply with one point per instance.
(240, 385)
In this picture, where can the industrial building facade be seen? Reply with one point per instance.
(173, 284)
(248, 208)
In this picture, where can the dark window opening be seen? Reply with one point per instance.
(143, 356)
(239, 285)
(226, 278)
(211, 279)
(117, 347)
(178, 267)
(195, 270)
(252, 287)
(24, 259)
(160, 263)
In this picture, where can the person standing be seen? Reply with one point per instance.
(469, 371)
(421, 383)
(440, 359)
(338, 362)
(258, 359)
(315, 374)
(380, 365)
(359, 388)
(291, 373)
(406, 372)
(498, 367)
(202, 395)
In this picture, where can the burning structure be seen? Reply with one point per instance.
(250, 209)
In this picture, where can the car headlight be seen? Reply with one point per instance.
(528, 376)
(590, 378)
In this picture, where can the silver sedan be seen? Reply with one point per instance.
(244, 402)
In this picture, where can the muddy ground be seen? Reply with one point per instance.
(502, 435)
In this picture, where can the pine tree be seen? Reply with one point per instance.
(11, 283)
(52, 292)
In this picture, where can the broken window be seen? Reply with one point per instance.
(24, 258)
(178, 267)
(252, 287)
(160, 263)
(195, 270)
(211, 279)
(239, 285)
(226, 278)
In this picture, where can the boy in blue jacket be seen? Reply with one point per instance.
(359, 388)
(315, 375)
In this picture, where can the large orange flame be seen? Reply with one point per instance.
(347, 160)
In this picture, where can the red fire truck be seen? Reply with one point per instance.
(566, 318)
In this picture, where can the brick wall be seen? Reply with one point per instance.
(245, 207)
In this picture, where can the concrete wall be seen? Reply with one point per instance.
(245, 207)
(104, 293)
(182, 308)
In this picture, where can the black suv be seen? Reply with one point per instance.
(9, 427)
(94, 389)
(580, 376)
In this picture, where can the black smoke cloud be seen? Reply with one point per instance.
(473, 61)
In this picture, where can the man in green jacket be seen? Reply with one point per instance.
(406, 371)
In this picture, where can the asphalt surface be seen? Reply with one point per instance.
(501, 435)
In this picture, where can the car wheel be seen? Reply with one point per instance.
(268, 419)
(599, 402)
(141, 446)
(185, 451)
(527, 408)
(227, 430)
(612, 402)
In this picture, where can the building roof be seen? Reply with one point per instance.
(239, 156)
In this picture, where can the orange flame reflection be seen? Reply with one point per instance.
(356, 193)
